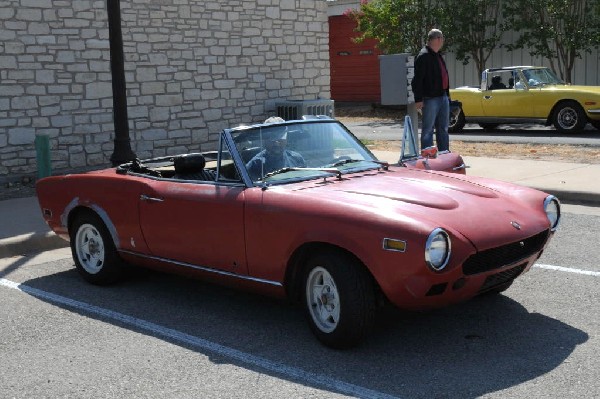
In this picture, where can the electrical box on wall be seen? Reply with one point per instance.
(396, 72)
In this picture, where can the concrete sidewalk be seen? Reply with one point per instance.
(570, 182)
(22, 229)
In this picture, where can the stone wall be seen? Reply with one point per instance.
(192, 68)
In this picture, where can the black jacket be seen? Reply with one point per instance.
(428, 77)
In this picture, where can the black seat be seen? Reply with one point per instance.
(191, 167)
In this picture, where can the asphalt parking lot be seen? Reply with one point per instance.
(166, 336)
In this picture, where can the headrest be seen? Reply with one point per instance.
(189, 163)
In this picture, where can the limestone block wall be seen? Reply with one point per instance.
(193, 67)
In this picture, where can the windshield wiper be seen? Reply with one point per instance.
(289, 169)
(347, 161)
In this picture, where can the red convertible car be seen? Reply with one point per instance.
(302, 209)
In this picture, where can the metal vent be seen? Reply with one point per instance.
(295, 109)
(495, 258)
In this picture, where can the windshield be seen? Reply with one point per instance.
(300, 150)
(541, 76)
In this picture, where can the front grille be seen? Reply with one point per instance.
(436, 289)
(500, 278)
(494, 258)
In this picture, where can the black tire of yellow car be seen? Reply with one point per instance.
(595, 124)
(355, 290)
(489, 126)
(456, 123)
(569, 117)
(90, 240)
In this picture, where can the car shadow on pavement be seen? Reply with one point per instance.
(523, 131)
(468, 350)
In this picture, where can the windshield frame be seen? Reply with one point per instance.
(540, 77)
(246, 140)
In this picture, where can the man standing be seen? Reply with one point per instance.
(431, 89)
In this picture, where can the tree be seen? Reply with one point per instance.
(558, 30)
(472, 28)
(475, 28)
(400, 26)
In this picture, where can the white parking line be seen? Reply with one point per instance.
(568, 270)
(292, 373)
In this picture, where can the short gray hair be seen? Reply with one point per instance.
(434, 34)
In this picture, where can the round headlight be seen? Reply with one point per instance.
(552, 208)
(437, 249)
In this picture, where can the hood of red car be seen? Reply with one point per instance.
(431, 193)
(442, 200)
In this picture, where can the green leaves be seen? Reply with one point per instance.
(400, 26)
(558, 30)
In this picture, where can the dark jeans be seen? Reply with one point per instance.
(436, 113)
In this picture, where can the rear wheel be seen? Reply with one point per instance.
(339, 298)
(569, 117)
(93, 250)
(457, 121)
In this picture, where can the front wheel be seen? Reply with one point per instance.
(339, 298)
(569, 117)
(93, 250)
(457, 121)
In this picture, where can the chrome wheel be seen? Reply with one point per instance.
(94, 252)
(90, 248)
(457, 121)
(569, 117)
(339, 298)
(323, 299)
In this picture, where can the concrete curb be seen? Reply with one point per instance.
(575, 197)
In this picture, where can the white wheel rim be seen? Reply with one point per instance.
(453, 120)
(90, 248)
(323, 299)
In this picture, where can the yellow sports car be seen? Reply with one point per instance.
(526, 94)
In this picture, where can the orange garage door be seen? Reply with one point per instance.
(354, 67)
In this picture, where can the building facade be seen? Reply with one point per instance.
(585, 71)
(192, 68)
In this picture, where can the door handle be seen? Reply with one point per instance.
(487, 97)
(144, 197)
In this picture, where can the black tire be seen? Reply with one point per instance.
(93, 250)
(489, 126)
(595, 124)
(457, 122)
(339, 299)
(569, 117)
